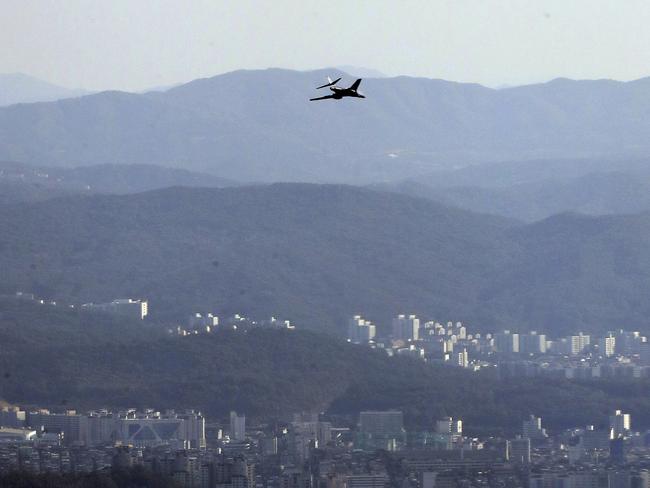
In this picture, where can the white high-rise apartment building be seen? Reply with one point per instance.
(506, 342)
(608, 345)
(237, 426)
(447, 425)
(619, 424)
(532, 428)
(532, 343)
(360, 330)
(578, 343)
(462, 358)
(406, 327)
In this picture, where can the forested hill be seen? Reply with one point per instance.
(20, 182)
(316, 254)
(536, 190)
(260, 126)
(59, 358)
(310, 253)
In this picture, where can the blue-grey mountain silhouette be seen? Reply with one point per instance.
(247, 126)
(20, 88)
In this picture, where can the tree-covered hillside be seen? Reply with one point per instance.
(312, 254)
(21, 182)
(536, 190)
(59, 358)
(319, 254)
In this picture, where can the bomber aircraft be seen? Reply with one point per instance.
(338, 92)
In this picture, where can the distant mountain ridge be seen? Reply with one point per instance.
(536, 190)
(259, 126)
(317, 254)
(25, 183)
(593, 194)
(21, 88)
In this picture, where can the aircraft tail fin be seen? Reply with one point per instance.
(356, 84)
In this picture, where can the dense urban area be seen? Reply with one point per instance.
(370, 449)
(315, 451)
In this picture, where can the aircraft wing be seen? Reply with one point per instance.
(356, 84)
(329, 83)
(321, 98)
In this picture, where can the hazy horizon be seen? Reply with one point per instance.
(494, 43)
(174, 84)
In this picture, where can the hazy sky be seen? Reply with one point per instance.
(134, 44)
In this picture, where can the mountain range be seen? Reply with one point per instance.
(523, 208)
(20, 182)
(317, 254)
(536, 190)
(21, 88)
(258, 126)
(526, 191)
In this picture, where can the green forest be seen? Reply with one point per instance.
(59, 358)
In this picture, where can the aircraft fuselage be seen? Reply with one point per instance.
(344, 92)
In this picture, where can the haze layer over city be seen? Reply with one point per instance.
(325, 245)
